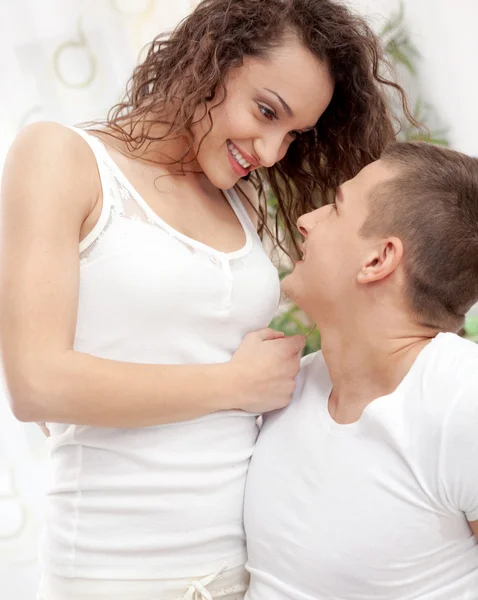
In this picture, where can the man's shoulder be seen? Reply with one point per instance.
(457, 343)
(459, 364)
(446, 377)
(453, 359)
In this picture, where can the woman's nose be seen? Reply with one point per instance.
(270, 150)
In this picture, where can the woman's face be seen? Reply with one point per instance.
(269, 103)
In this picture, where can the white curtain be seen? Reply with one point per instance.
(66, 61)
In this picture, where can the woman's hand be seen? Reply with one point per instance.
(266, 365)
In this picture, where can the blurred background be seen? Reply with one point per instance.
(69, 60)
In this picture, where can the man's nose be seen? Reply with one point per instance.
(306, 222)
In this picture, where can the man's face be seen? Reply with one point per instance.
(334, 251)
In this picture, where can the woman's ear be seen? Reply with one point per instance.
(382, 261)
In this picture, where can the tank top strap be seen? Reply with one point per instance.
(112, 200)
(106, 169)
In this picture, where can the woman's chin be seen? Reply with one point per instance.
(222, 181)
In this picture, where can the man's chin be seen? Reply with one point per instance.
(289, 289)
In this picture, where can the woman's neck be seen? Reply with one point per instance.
(157, 145)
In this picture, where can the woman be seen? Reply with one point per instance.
(136, 339)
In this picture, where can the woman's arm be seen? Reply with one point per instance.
(50, 186)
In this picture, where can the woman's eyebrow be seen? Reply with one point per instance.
(285, 106)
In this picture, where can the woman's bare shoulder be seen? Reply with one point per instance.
(52, 157)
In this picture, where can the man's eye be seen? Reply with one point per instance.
(267, 112)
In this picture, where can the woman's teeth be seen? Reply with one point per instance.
(238, 156)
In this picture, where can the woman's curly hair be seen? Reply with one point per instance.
(187, 69)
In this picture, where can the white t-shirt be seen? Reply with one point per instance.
(375, 509)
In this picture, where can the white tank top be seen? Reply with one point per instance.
(163, 501)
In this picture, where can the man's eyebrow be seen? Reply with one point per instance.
(285, 106)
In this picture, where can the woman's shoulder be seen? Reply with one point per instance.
(54, 158)
(47, 140)
(53, 138)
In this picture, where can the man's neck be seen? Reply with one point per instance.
(367, 360)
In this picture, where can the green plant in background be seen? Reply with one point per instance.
(402, 54)
(471, 328)
(293, 321)
(396, 41)
(423, 112)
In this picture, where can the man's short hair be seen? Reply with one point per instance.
(432, 206)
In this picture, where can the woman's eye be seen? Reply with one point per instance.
(267, 112)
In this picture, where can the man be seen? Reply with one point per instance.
(366, 486)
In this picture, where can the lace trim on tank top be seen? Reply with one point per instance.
(121, 201)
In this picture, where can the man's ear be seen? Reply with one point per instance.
(382, 261)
